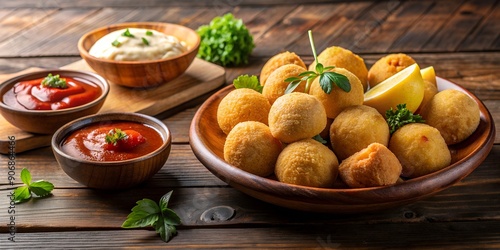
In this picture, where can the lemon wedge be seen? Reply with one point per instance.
(406, 86)
(429, 74)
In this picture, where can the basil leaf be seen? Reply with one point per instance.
(22, 194)
(41, 188)
(26, 176)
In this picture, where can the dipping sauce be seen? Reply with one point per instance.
(33, 95)
(89, 143)
(135, 44)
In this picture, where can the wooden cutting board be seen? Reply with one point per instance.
(200, 78)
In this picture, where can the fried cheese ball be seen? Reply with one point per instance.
(242, 105)
(373, 166)
(387, 66)
(338, 99)
(296, 116)
(355, 128)
(250, 146)
(420, 148)
(277, 61)
(276, 85)
(307, 163)
(343, 58)
(454, 114)
(430, 90)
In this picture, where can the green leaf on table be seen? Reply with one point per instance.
(148, 213)
(40, 188)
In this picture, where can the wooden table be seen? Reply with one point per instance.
(461, 39)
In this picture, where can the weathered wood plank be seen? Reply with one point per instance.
(13, 21)
(456, 235)
(425, 27)
(483, 37)
(461, 24)
(397, 23)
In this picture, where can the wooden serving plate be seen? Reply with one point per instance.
(207, 141)
(200, 78)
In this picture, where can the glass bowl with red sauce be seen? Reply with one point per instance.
(85, 154)
(35, 107)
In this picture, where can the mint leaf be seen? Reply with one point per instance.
(41, 188)
(26, 176)
(22, 194)
(245, 81)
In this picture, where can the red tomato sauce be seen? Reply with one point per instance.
(89, 143)
(32, 95)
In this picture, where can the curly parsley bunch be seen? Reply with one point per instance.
(225, 41)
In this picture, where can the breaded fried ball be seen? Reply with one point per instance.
(308, 163)
(373, 166)
(387, 66)
(250, 146)
(296, 116)
(430, 90)
(454, 114)
(276, 85)
(242, 105)
(343, 58)
(355, 128)
(420, 148)
(338, 99)
(277, 61)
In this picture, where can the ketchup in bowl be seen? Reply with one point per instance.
(51, 93)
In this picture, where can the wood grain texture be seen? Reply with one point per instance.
(201, 77)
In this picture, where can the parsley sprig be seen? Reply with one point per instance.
(40, 188)
(327, 78)
(115, 135)
(54, 81)
(148, 213)
(246, 81)
(400, 117)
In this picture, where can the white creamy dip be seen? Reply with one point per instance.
(137, 45)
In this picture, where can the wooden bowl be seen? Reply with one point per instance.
(141, 73)
(112, 174)
(207, 141)
(48, 121)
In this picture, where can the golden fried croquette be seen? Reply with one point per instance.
(387, 66)
(296, 116)
(308, 163)
(277, 61)
(343, 58)
(430, 90)
(338, 99)
(242, 105)
(276, 85)
(454, 114)
(355, 128)
(373, 166)
(250, 146)
(420, 148)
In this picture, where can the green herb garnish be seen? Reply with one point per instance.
(149, 33)
(116, 43)
(320, 139)
(400, 117)
(145, 41)
(148, 213)
(54, 81)
(245, 81)
(327, 79)
(40, 188)
(115, 135)
(225, 41)
(127, 33)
